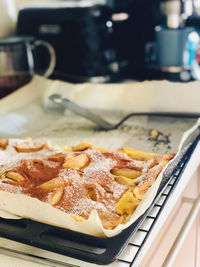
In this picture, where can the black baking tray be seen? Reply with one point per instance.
(85, 247)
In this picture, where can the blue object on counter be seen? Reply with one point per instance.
(191, 48)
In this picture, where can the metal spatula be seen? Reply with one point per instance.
(66, 103)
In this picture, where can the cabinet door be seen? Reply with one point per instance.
(189, 253)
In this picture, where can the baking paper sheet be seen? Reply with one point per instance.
(29, 113)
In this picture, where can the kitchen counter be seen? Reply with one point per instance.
(155, 251)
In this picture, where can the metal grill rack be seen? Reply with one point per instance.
(133, 250)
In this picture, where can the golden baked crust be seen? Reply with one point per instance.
(80, 179)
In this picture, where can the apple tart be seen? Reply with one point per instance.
(78, 180)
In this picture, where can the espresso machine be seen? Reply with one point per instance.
(164, 42)
(114, 40)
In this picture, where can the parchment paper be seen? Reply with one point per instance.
(29, 113)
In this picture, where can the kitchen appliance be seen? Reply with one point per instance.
(19, 61)
(81, 34)
(102, 41)
(162, 39)
(168, 49)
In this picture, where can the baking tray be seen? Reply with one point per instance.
(85, 247)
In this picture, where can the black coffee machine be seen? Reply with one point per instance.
(81, 33)
(112, 40)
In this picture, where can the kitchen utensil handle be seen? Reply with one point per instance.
(86, 113)
(52, 61)
(66, 103)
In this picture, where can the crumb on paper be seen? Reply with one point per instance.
(153, 133)
(159, 137)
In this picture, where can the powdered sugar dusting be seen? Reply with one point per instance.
(10, 158)
(149, 175)
(86, 205)
(96, 177)
(91, 188)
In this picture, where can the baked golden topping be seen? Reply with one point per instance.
(80, 179)
(56, 197)
(82, 146)
(53, 183)
(3, 143)
(13, 176)
(76, 162)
